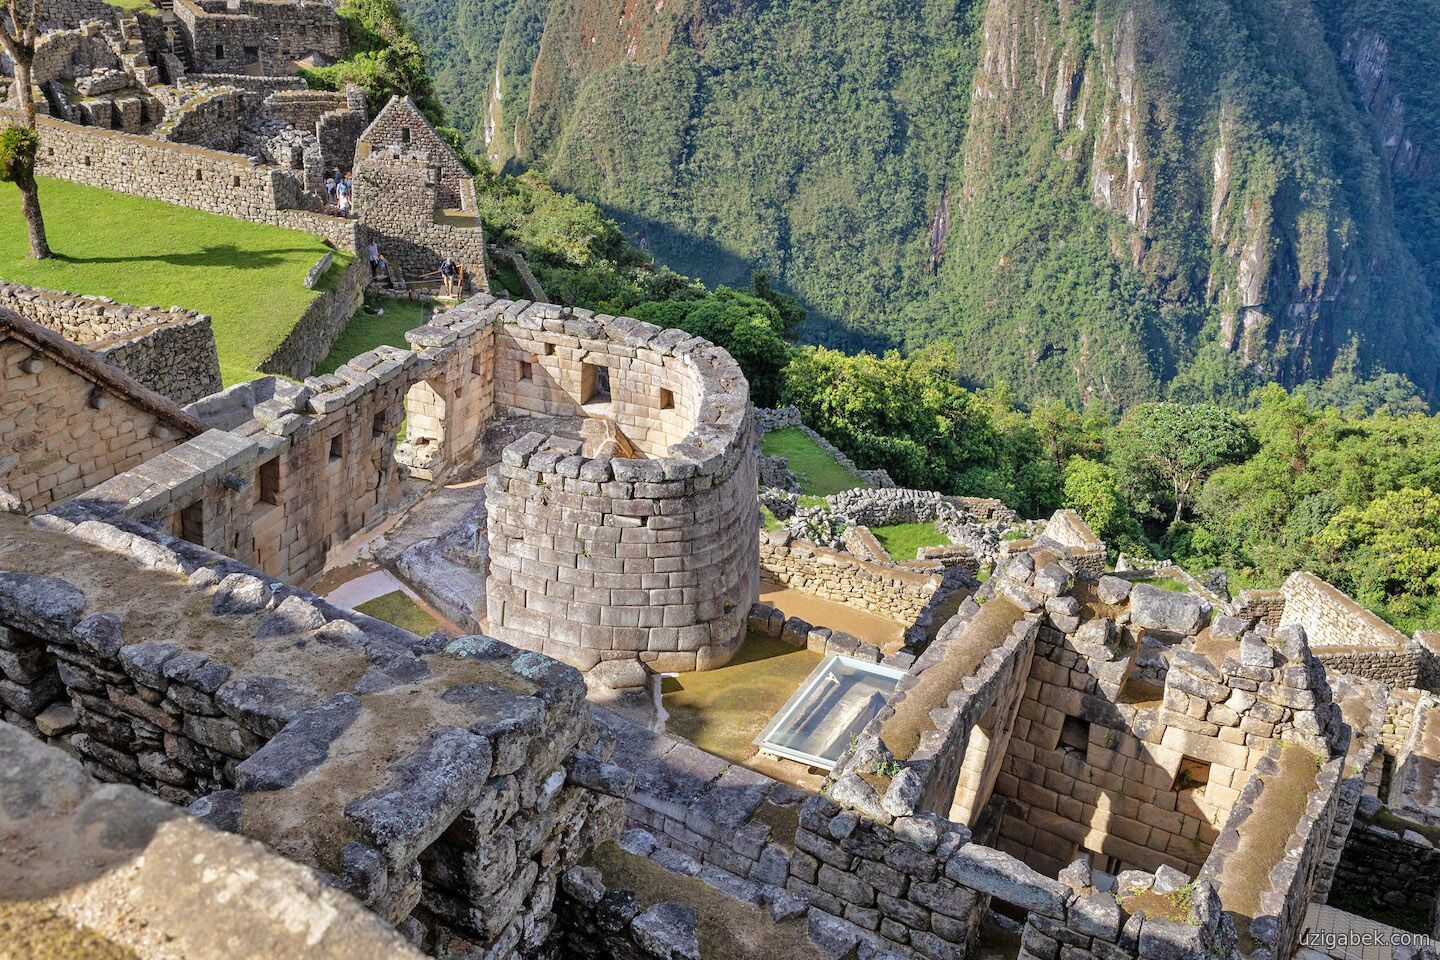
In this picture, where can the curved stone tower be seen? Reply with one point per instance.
(639, 539)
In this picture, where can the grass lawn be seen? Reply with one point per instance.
(721, 711)
(820, 474)
(249, 277)
(380, 321)
(134, 6)
(901, 540)
(395, 607)
(505, 276)
(1167, 583)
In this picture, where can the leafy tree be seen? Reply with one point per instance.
(791, 313)
(19, 145)
(383, 58)
(746, 326)
(1164, 451)
(907, 415)
(1387, 553)
(1094, 491)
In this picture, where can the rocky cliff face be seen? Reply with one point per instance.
(1099, 199)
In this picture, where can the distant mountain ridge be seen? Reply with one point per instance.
(1107, 200)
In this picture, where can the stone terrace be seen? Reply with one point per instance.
(349, 745)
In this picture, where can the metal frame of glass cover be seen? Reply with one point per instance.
(827, 688)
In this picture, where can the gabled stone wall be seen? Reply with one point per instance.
(398, 197)
(401, 126)
(169, 351)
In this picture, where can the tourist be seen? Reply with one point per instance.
(374, 253)
(342, 193)
(450, 275)
(329, 187)
(382, 269)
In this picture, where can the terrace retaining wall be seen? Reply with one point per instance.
(223, 183)
(884, 589)
(322, 323)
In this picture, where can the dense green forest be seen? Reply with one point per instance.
(1107, 201)
(1340, 476)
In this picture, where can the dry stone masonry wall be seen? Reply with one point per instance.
(69, 421)
(169, 351)
(447, 791)
(609, 557)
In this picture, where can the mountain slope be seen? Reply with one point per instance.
(1097, 199)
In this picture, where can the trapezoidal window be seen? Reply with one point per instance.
(337, 448)
(404, 134)
(192, 523)
(219, 51)
(1192, 774)
(1075, 734)
(269, 481)
(377, 426)
(667, 399)
(527, 370)
(594, 383)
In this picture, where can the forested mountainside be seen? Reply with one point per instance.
(1108, 200)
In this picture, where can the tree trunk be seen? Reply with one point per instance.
(24, 91)
(29, 189)
(34, 220)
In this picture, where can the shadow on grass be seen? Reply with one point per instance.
(224, 255)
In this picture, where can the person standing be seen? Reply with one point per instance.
(374, 253)
(450, 275)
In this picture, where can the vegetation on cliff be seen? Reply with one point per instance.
(1338, 476)
(1109, 201)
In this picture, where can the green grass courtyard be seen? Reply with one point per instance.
(819, 473)
(248, 277)
(380, 321)
(901, 540)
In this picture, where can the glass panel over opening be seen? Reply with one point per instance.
(834, 703)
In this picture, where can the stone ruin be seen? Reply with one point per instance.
(1088, 761)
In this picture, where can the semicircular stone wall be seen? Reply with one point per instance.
(648, 551)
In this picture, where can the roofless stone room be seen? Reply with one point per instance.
(532, 491)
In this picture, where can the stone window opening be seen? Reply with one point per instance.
(236, 182)
(377, 426)
(405, 135)
(337, 448)
(252, 54)
(1075, 734)
(667, 399)
(268, 481)
(192, 523)
(219, 51)
(1192, 774)
(594, 383)
(199, 174)
(527, 371)
(549, 349)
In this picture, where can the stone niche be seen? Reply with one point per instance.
(645, 545)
